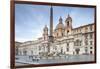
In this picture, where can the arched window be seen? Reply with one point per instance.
(68, 23)
(77, 50)
(67, 31)
(91, 52)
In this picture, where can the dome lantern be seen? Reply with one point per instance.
(60, 19)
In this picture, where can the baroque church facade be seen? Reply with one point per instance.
(64, 39)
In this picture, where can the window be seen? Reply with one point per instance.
(31, 52)
(86, 29)
(90, 28)
(91, 36)
(91, 42)
(67, 31)
(73, 53)
(67, 44)
(68, 23)
(90, 47)
(77, 42)
(67, 49)
(86, 49)
(80, 30)
(77, 30)
(86, 42)
(39, 47)
(61, 50)
(25, 52)
(80, 43)
(86, 36)
(90, 52)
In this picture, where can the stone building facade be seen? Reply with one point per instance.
(66, 40)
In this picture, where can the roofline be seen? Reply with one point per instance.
(83, 26)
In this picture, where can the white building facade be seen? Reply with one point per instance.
(66, 40)
(75, 41)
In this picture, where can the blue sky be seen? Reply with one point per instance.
(31, 19)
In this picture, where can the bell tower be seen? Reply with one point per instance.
(68, 25)
(45, 33)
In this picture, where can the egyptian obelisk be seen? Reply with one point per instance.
(51, 25)
(51, 30)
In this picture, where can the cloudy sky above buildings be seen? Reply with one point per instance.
(31, 19)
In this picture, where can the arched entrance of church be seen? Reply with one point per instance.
(77, 51)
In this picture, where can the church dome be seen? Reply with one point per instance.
(60, 25)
